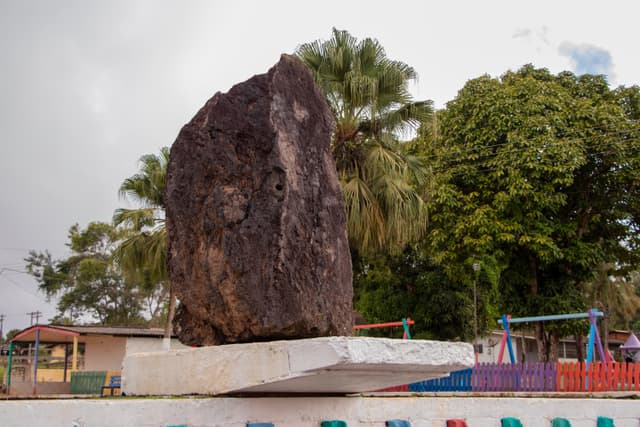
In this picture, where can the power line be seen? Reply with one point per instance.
(18, 314)
(13, 270)
(17, 285)
(13, 264)
(35, 314)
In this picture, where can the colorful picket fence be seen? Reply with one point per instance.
(456, 381)
(598, 377)
(514, 377)
(540, 377)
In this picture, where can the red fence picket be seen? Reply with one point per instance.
(600, 376)
(562, 377)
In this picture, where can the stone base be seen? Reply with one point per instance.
(317, 365)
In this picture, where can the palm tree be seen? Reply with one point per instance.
(368, 95)
(614, 295)
(143, 252)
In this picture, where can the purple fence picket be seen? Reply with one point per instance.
(514, 377)
(528, 377)
(496, 377)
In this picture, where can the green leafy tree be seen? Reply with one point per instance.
(541, 171)
(614, 295)
(142, 253)
(88, 282)
(409, 284)
(368, 94)
(11, 333)
(634, 279)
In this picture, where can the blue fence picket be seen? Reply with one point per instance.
(456, 381)
(495, 377)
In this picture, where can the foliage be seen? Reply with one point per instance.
(541, 171)
(368, 94)
(614, 295)
(389, 288)
(10, 334)
(633, 277)
(142, 253)
(88, 282)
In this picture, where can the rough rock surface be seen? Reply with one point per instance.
(255, 218)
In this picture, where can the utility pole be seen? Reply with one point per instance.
(36, 315)
(2, 317)
(476, 268)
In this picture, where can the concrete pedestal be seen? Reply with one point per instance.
(317, 365)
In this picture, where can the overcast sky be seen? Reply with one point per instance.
(87, 87)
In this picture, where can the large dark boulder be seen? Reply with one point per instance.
(255, 218)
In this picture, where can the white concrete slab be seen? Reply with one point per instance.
(317, 365)
(306, 411)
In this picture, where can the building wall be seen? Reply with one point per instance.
(357, 411)
(104, 352)
(52, 375)
(491, 349)
(26, 389)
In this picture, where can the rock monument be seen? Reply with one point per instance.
(255, 218)
(258, 252)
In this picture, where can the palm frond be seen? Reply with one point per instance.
(142, 252)
(147, 187)
(368, 94)
(143, 256)
(136, 219)
(405, 211)
(365, 219)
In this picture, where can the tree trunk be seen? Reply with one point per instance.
(580, 347)
(538, 327)
(540, 342)
(605, 333)
(168, 328)
(554, 347)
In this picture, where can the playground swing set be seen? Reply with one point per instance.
(405, 322)
(592, 342)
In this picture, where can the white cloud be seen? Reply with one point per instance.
(588, 59)
(522, 33)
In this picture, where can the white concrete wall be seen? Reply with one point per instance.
(104, 353)
(423, 411)
(144, 345)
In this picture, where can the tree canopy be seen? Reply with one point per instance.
(88, 282)
(142, 253)
(541, 171)
(368, 94)
(410, 284)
